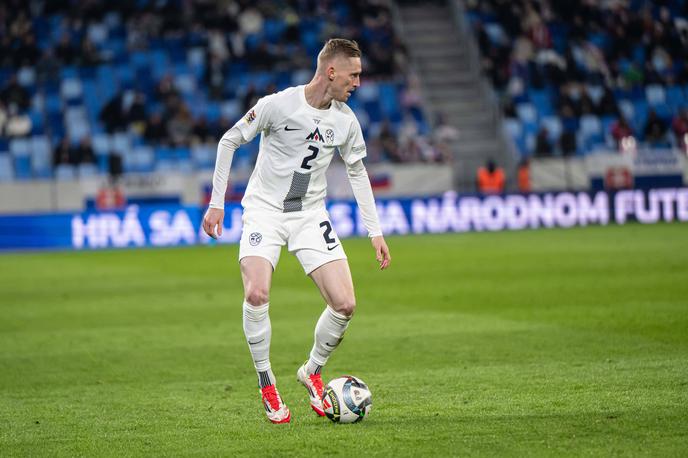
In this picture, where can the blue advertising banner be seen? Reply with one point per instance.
(173, 225)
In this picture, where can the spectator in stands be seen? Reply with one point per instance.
(64, 50)
(569, 123)
(155, 131)
(83, 154)
(655, 130)
(389, 143)
(201, 132)
(64, 153)
(89, 55)
(679, 125)
(27, 52)
(543, 147)
(13, 94)
(490, 179)
(18, 124)
(620, 130)
(48, 67)
(136, 114)
(180, 127)
(166, 92)
(607, 104)
(215, 76)
(444, 133)
(112, 115)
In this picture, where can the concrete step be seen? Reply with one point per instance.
(447, 53)
(433, 36)
(448, 79)
(463, 91)
(424, 13)
(434, 65)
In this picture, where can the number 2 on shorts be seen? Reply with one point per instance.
(328, 229)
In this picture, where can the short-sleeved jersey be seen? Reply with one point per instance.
(296, 147)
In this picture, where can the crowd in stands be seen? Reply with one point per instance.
(577, 76)
(158, 82)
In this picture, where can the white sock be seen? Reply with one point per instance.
(258, 331)
(328, 333)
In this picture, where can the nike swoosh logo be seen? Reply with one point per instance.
(288, 129)
(331, 346)
(332, 248)
(255, 343)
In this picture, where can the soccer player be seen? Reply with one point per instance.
(300, 127)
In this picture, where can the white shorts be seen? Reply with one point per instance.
(308, 234)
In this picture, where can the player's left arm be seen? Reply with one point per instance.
(363, 193)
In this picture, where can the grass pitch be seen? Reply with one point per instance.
(553, 342)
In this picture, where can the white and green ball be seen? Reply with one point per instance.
(346, 399)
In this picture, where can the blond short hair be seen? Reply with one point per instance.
(338, 47)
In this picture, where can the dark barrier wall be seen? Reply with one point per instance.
(172, 225)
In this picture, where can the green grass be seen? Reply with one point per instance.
(553, 342)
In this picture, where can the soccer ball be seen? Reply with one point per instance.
(346, 399)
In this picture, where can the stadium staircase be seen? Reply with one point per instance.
(446, 58)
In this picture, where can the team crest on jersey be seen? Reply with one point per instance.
(250, 116)
(255, 238)
(316, 135)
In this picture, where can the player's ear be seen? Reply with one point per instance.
(331, 73)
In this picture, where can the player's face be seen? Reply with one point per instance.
(347, 77)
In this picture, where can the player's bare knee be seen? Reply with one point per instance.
(346, 306)
(257, 296)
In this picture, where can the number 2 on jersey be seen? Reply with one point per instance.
(307, 159)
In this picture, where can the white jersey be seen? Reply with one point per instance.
(297, 145)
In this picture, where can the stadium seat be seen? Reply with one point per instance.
(590, 125)
(65, 172)
(203, 156)
(20, 147)
(6, 166)
(655, 95)
(87, 170)
(41, 156)
(71, 89)
(22, 167)
(527, 113)
(26, 77)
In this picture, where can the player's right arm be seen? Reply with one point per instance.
(214, 217)
(256, 120)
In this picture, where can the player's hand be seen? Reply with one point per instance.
(214, 218)
(381, 251)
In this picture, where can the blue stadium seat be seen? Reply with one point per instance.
(22, 167)
(6, 167)
(140, 159)
(41, 156)
(655, 95)
(553, 126)
(203, 156)
(71, 89)
(527, 113)
(676, 98)
(590, 125)
(65, 172)
(20, 147)
(389, 101)
(87, 170)
(542, 101)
